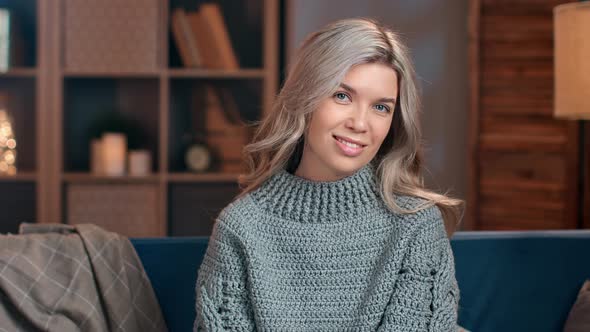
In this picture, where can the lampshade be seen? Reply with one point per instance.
(572, 60)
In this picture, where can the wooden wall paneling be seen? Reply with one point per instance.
(523, 166)
(472, 213)
(519, 7)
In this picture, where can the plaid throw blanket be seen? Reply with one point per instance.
(56, 277)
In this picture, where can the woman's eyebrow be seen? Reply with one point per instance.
(387, 100)
(348, 88)
(353, 91)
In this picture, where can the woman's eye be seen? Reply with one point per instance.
(382, 108)
(340, 96)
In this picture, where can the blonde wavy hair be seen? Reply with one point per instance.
(319, 66)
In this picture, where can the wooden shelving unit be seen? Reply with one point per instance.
(19, 72)
(66, 101)
(20, 84)
(204, 73)
(84, 177)
(20, 177)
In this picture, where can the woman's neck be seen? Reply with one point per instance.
(299, 199)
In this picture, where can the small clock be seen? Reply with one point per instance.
(198, 157)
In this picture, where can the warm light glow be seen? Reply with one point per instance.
(114, 152)
(7, 144)
(6, 131)
(9, 157)
(11, 143)
(572, 65)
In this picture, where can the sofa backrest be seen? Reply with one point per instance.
(519, 281)
(172, 264)
(509, 281)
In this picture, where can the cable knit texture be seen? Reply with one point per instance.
(301, 255)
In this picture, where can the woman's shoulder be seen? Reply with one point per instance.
(426, 209)
(426, 222)
(238, 214)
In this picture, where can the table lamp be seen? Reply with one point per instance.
(572, 78)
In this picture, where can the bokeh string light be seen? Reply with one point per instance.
(7, 145)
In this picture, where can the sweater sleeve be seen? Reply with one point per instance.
(426, 294)
(222, 298)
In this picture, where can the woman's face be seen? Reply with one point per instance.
(348, 127)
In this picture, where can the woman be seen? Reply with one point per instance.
(333, 229)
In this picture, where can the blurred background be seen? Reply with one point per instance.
(132, 114)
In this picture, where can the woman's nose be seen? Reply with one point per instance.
(357, 121)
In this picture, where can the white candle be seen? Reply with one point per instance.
(140, 162)
(114, 151)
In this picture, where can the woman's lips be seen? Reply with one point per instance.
(347, 150)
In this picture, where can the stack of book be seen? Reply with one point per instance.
(203, 41)
(226, 133)
(202, 38)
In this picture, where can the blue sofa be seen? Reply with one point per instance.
(509, 281)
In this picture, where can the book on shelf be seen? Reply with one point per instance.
(185, 40)
(11, 43)
(212, 17)
(226, 132)
(202, 38)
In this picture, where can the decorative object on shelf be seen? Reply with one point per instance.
(7, 140)
(140, 162)
(114, 152)
(111, 35)
(572, 82)
(11, 43)
(226, 134)
(113, 123)
(198, 157)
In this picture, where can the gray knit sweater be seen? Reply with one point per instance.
(300, 255)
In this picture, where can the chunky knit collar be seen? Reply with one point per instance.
(301, 200)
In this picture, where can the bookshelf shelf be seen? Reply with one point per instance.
(98, 74)
(21, 193)
(81, 177)
(19, 72)
(19, 177)
(209, 73)
(204, 177)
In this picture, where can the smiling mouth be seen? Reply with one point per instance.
(348, 143)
